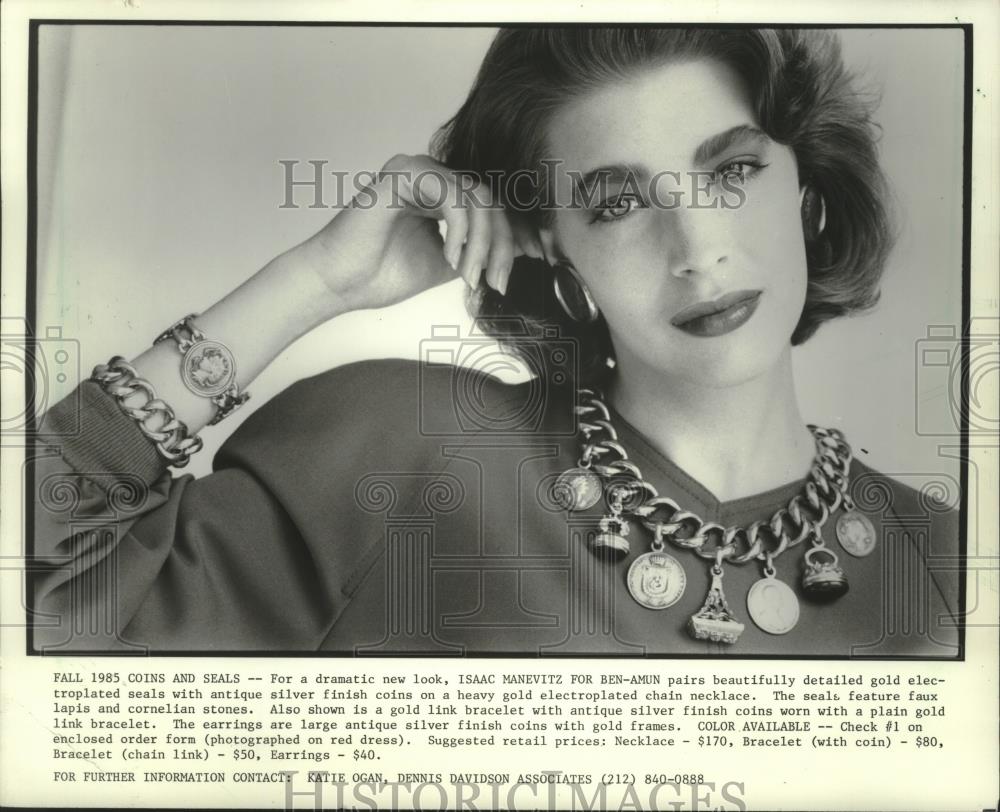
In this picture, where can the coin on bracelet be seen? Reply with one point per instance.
(208, 368)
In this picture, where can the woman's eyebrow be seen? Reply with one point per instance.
(715, 144)
(705, 151)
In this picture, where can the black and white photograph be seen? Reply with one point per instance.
(530, 340)
(568, 406)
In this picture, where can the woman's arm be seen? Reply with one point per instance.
(257, 321)
(109, 517)
(172, 564)
(383, 248)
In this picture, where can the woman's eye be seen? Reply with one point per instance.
(612, 210)
(738, 171)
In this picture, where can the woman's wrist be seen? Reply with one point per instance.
(255, 322)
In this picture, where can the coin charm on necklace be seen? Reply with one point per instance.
(855, 533)
(577, 489)
(773, 606)
(656, 580)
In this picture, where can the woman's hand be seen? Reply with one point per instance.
(383, 248)
(386, 245)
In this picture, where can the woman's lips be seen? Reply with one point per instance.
(718, 317)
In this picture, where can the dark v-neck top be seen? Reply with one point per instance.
(391, 507)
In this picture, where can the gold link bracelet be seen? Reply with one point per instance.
(120, 380)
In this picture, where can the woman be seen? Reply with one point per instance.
(653, 217)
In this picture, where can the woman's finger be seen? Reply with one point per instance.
(502, 251)
(456, 219)
(455, 214)
(477, 245)
(431, 189)
(527, 242)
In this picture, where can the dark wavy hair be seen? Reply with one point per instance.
(802, 97)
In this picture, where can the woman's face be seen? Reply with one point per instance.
(701, 276)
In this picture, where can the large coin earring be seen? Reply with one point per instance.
(813, 208)
(573, 295)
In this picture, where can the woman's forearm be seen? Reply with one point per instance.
(373, 254)
(256, 321)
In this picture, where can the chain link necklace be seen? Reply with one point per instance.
(656, 579)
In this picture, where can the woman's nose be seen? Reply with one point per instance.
(696, 240)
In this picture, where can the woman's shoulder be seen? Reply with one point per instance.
(919, 522)
(918, 511)
(905, 496)
(393, 403)
(425, 395)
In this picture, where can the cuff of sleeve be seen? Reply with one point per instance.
(100, 437)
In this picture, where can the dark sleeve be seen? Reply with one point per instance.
(262, 554)
(126, 556)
